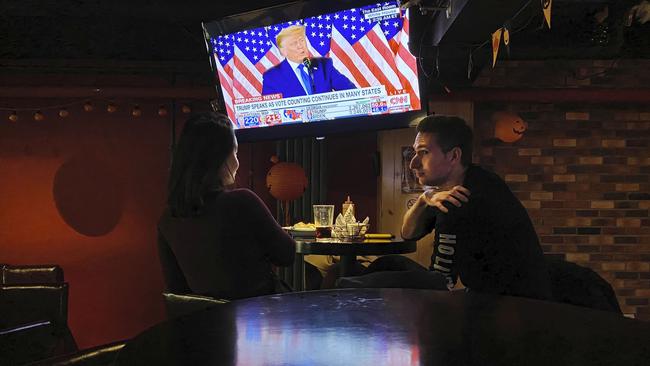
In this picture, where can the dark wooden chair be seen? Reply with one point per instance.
(34, 322)
(179, 305)
(21, 304)
(581, 286)
(28, 342)
(104, 355)
(31, 274)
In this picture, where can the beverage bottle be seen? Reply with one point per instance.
(348, 204)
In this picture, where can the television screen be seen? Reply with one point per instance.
(353, 62)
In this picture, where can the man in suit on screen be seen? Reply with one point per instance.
(298, 74)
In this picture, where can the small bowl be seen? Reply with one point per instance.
(356, 229)
(353, 232)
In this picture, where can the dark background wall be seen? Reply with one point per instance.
(583, 167)
(353, 171)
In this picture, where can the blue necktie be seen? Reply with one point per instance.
(305, 78)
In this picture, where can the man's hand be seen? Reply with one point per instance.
(455, 196)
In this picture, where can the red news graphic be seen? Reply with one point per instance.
(292, 114)
(273, 119)
(379, 107)
(258, 98)
(399, 103)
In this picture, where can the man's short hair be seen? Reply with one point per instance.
(294, 30)
(450, 132)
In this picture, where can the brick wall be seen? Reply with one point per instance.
(582, 169)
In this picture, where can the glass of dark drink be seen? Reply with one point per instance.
(323, 220)
(323, 232)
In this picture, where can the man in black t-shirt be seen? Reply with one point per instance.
(483, 234)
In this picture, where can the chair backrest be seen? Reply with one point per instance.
(178, 305)
(21, 304)
(104, 355)
(581, 286)
(45, 273)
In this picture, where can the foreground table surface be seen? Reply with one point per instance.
(392, 327)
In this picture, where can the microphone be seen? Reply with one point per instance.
(307, 62)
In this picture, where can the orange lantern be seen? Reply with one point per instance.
(286, 182)
(509, 126)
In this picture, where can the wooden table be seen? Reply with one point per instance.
(392, 327)
(348, 251)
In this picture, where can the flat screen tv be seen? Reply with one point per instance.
(316, 68)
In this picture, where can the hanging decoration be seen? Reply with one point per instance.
(546, 8)
(496, 41)
(88, 106)
(286, 182)
(508, 126)
(505, 31)
(110, 108)
(506, 38)
(63, 113)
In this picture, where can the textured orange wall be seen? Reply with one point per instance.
(115, 279)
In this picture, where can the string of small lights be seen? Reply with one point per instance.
(63, 110)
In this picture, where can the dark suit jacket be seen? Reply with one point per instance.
(282, 79)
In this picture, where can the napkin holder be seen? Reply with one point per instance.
(346, 226)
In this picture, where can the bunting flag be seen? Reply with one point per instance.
(506, 38)
(546, 8)
(369, 50)
(496, 41)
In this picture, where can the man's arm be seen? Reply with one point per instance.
(418, 221)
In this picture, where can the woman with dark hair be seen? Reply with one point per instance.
(213, 241)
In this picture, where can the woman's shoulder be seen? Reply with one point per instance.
(238, 192)
(240, 195)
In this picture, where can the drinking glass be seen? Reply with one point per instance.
(323, 220)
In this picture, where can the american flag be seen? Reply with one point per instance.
(369, 52)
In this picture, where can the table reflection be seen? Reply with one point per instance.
(392, 327)
(265, 337)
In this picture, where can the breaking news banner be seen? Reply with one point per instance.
(271, 110)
